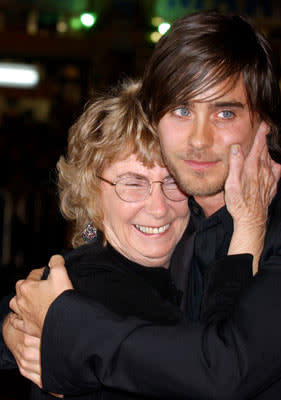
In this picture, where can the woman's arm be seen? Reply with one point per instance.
(249, 190)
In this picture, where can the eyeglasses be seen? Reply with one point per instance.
(134, 189)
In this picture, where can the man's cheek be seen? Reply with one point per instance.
(246, 147)
(246, 144)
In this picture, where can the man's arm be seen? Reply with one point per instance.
(7, 360)
(84, 344)
(231, 359)
(25, 349)
(33, 309)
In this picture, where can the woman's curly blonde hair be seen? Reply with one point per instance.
(112, 127)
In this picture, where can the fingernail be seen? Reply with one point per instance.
(235, 149)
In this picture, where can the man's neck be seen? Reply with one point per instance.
(211, 204)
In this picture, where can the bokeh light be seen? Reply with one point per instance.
(88, 19)
(164, 27)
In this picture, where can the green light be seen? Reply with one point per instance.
(164, 27)
(75, 23)
(88, 19)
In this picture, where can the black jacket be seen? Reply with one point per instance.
(124, 287)
(131, 290)
(238, 357)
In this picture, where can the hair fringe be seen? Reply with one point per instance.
(112, 126)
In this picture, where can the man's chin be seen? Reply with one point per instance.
(200, 183)
(203, 189)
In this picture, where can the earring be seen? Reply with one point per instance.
(89, 234)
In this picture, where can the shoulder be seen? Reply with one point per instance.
(94, 258)
(88, 258)
(90, 267)
(84, 253)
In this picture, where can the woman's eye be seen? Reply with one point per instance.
(169, 181)
(182, 112)
(136, 183)
(226, 114)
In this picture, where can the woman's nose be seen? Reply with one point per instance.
(156, 203)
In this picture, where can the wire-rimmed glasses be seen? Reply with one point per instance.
(134, 188)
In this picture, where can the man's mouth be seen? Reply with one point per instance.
(152, 230)
(200, 165)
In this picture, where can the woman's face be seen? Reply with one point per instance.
(127, 224)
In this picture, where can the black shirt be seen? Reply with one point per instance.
(124, 287)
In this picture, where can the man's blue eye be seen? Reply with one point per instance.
(226, 114)
(182, 112)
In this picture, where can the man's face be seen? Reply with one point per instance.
(196, 137)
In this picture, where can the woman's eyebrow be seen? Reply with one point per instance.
(130, 174)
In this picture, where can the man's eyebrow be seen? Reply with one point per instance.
(230, 104)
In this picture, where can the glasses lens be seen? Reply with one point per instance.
(132, 189)
(172, 191)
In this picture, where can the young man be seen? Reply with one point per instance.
(209, 84)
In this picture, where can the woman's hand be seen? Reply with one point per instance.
(25, 349)
(249, 190)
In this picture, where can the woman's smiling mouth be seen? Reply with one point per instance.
(152, 230)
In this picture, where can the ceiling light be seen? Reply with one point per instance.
(18, 75)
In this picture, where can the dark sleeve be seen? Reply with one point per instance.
(7, 360)
(83, 344)
(224, 282)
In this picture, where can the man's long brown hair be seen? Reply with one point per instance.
(202, 50)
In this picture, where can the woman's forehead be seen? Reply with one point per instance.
(132, 164)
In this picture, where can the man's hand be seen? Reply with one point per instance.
(34, 296)
(25, 349)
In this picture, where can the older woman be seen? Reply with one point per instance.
(115, 179)
(127, 206)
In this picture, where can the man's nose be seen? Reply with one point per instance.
(202, 134)
(156, 203)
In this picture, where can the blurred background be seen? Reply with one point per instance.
(54, 54)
